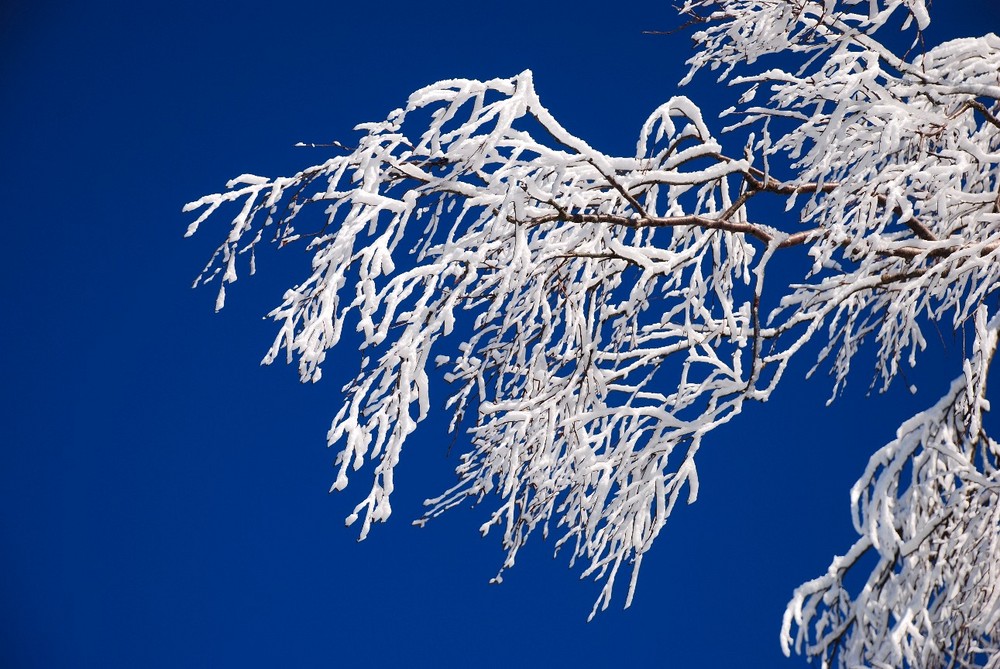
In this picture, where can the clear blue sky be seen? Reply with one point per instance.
(163, 499)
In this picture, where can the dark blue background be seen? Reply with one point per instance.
(163, 500)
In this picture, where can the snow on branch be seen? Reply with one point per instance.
(554, 253)
(898, 162)
(598, 316)
(928, 508)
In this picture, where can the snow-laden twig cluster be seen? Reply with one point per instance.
(598, 316)
(580, 275)
(928, 507)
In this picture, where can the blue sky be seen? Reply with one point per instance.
(163, 499)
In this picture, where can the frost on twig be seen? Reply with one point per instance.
(597, 316)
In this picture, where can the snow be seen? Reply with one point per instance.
(607, 307)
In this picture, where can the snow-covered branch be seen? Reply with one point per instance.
(928, 509)
(598, 316)
(554, 253)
